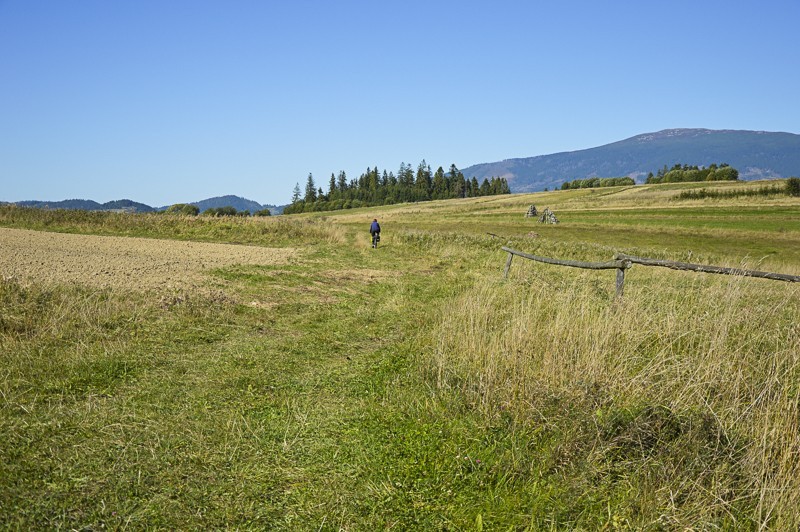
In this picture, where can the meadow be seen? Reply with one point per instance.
(412, 386)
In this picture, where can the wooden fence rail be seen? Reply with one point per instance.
(708, 269)
(622, 262)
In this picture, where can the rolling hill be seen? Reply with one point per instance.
(238, 203)
(756, 154)
(89, 205)
(126, 205)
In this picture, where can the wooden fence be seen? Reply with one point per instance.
(622, 262)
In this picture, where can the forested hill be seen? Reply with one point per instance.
(239, 203)
(89, 205)
(757, 154)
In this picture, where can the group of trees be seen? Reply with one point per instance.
(595, 182)
(685, 174)
(385, 188)
(790, 188)
(677, 174)
(704, 193)
(187, 209)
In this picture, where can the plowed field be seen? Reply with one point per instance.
(132, 263)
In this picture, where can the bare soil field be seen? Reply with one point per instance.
(122, 262)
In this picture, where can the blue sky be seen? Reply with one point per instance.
(177, 101)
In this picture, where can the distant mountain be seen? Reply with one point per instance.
(238, 203)
(126, 205)
(86, 205)
(756, 154)
(89, 205)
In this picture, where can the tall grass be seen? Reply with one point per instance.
(69, 339)
(684, 396)
(277, 230)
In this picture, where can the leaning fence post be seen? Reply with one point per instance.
(508, 265)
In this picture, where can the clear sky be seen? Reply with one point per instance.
(176, 101)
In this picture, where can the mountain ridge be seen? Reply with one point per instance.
(126, 205)
(756, 154)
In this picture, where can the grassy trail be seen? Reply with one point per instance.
(305, 415)
(361, 442)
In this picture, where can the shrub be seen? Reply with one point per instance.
(793, 186)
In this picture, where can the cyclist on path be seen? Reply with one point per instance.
(375, 231)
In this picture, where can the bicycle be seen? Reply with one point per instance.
(376, 237)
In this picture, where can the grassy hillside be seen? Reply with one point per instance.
(645, 219)
(412, 387)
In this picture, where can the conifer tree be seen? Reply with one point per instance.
(423, 181)
(311, 190)
(373, 182)
(332, 186)
(439, 184)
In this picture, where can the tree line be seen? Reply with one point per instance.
(187, 209)
(375, 187)
(685, 174)
(595, 182)
(790, 188)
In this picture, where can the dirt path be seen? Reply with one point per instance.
(111, 261)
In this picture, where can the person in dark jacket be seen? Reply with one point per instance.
(375, 231)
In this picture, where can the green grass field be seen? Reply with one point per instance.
(412, 387)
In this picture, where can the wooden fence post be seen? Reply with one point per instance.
(621, 274)
(508, 265)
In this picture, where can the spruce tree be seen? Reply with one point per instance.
(311, 190)
(332, 186)
(474, 186)
(423, 182)
(439, 184)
